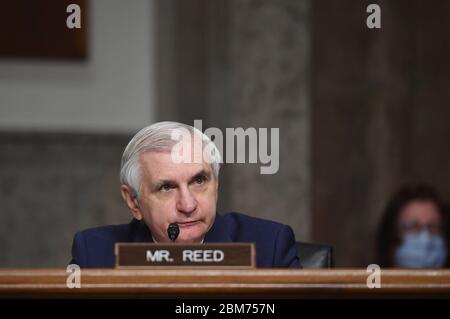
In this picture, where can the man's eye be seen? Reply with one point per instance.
(165, 188)
(199, 180)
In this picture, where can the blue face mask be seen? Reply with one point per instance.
(421, 250)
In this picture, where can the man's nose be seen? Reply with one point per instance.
(186, 202)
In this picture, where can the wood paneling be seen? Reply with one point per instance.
(267, 283)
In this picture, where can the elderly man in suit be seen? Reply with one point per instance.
(170, 175)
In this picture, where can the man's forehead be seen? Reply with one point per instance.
(160, 165)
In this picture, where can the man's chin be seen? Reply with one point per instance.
(191, 235)
(188, 241)
(193, 232)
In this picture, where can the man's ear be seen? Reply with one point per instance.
(131, 201)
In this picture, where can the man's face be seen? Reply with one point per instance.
(181, 193)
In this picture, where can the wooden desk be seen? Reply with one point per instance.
(210, 283)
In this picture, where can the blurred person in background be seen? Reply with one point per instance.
(414, 230)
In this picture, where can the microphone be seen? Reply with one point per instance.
(173, 231)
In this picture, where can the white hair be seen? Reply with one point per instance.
(158, 137)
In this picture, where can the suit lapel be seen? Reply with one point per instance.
(218, 232)
(140, 232)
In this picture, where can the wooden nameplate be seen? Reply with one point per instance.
(150, 255)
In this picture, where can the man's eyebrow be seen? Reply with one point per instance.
(201, 173)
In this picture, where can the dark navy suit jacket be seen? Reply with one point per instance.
(275, 243)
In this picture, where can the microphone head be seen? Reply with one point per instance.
(173, 231)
